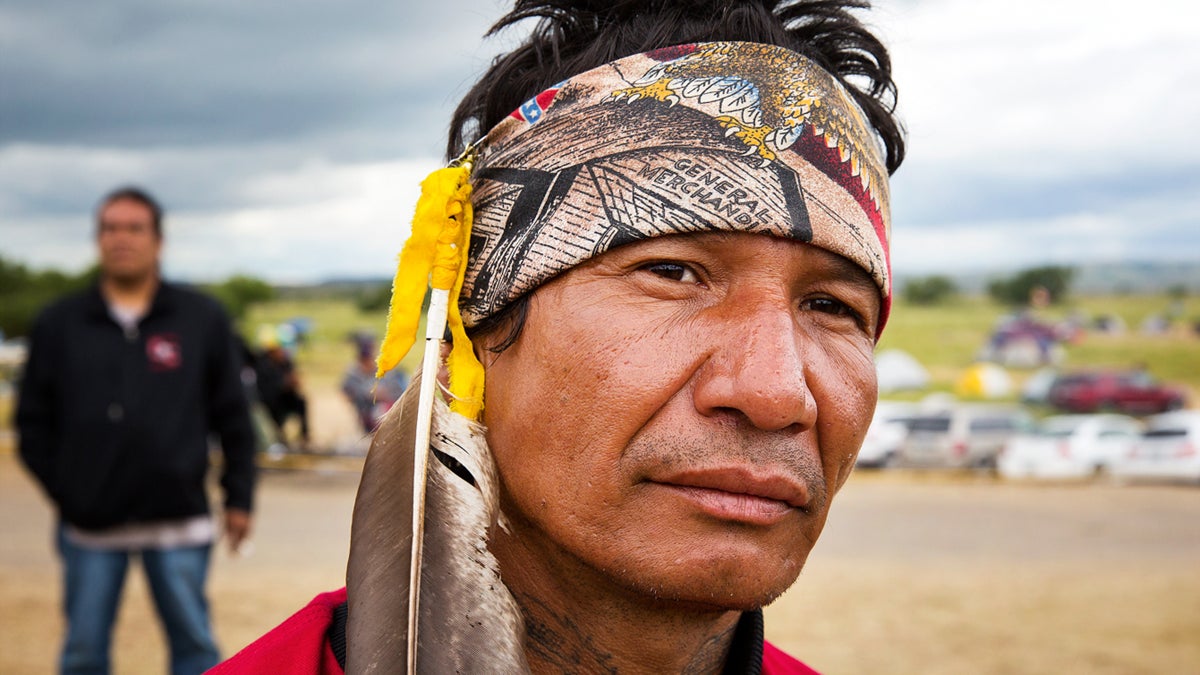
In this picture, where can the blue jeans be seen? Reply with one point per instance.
(94, 579)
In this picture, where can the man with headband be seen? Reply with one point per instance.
(677, 273)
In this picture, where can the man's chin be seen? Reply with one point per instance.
(728, 600)
(740, 590)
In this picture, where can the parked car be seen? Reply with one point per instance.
(964, 435)
(1132, 393)
(1169, 448)
(1069, 446)
(885, 435)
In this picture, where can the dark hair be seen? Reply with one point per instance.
(133, 194)
(574, 36)
(511, 319)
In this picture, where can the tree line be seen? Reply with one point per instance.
(1016, 290)
(25, 291)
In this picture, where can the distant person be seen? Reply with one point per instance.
(279, 388)
(371, 397)
(124, 384)
(265, 437)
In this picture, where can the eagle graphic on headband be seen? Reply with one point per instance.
(770, 99)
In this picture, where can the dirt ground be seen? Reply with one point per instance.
(927, 574)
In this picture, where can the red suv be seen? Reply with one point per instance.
(1133, 393)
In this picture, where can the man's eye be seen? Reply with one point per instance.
(831, 306)
(673, 271)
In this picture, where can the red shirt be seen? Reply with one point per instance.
(300, 646)
(297, 646)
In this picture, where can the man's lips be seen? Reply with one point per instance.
(739, 494)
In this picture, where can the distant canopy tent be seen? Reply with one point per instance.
(1024, 342)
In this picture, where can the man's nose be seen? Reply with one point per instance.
(756, 369)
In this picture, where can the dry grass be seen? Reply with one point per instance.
(921, 576)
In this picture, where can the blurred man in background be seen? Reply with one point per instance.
(124, 384)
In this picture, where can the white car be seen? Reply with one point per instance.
(1069, 446)
(964, 435)
(885, 435)
(1169, 448)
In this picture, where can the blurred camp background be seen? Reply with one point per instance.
(1025, 500)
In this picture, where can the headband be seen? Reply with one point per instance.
(719, 136)
(707, 137)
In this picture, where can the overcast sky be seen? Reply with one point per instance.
(287, 138)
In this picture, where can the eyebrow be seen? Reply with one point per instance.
(853, 273)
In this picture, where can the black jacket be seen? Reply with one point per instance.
(116, 426)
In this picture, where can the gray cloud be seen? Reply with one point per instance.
(286, 138)
(197, 99)
(948, 196)
(133, 73)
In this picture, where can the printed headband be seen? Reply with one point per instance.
(719, 136)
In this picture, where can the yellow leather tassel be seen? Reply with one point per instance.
(466, 372)
(435, 255)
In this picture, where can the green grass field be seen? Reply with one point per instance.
(328, 351)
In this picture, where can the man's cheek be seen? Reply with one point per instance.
(848, 392)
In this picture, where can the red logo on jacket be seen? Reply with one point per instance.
(164, 352)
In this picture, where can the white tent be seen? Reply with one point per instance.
(897, 370)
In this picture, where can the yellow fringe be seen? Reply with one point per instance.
(435, 255)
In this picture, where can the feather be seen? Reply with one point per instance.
(469, 622)
(408, 505)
